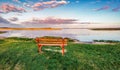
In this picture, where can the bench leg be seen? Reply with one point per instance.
(62, 50)
(39, 48)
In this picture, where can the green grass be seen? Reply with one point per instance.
(21, 54)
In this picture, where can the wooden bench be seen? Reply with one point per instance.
(51, 42)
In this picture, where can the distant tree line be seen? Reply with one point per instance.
(108, 41)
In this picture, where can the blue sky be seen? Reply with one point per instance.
(93, 11)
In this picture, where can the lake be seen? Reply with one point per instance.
(79, 34)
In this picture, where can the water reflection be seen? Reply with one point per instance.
(80, 34)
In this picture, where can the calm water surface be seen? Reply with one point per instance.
(80, 34)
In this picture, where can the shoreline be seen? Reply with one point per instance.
(30, 28)
(75, 41)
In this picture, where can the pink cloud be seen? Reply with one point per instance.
(103, 8)
(6, 8)
(1, 11)
(51, 20)
(48, 4)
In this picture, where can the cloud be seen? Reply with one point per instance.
(51, 20)
(27, 5)
(2, 20)
(13, 19)
(6, 23)
(48, 4)
(103, 8)
(1, 11)
(16, 0)
(116, 9)
(7, 8)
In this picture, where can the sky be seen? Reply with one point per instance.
(60, 11)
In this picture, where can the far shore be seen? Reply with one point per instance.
(104, 28)
(5, 28)
(10, 28)
(2, 32)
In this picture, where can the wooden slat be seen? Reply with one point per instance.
(52, 44)
(51, 41)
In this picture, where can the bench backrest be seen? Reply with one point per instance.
(51, 41)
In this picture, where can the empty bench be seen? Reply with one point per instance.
(51, 42)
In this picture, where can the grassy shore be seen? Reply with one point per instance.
(21, 54)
